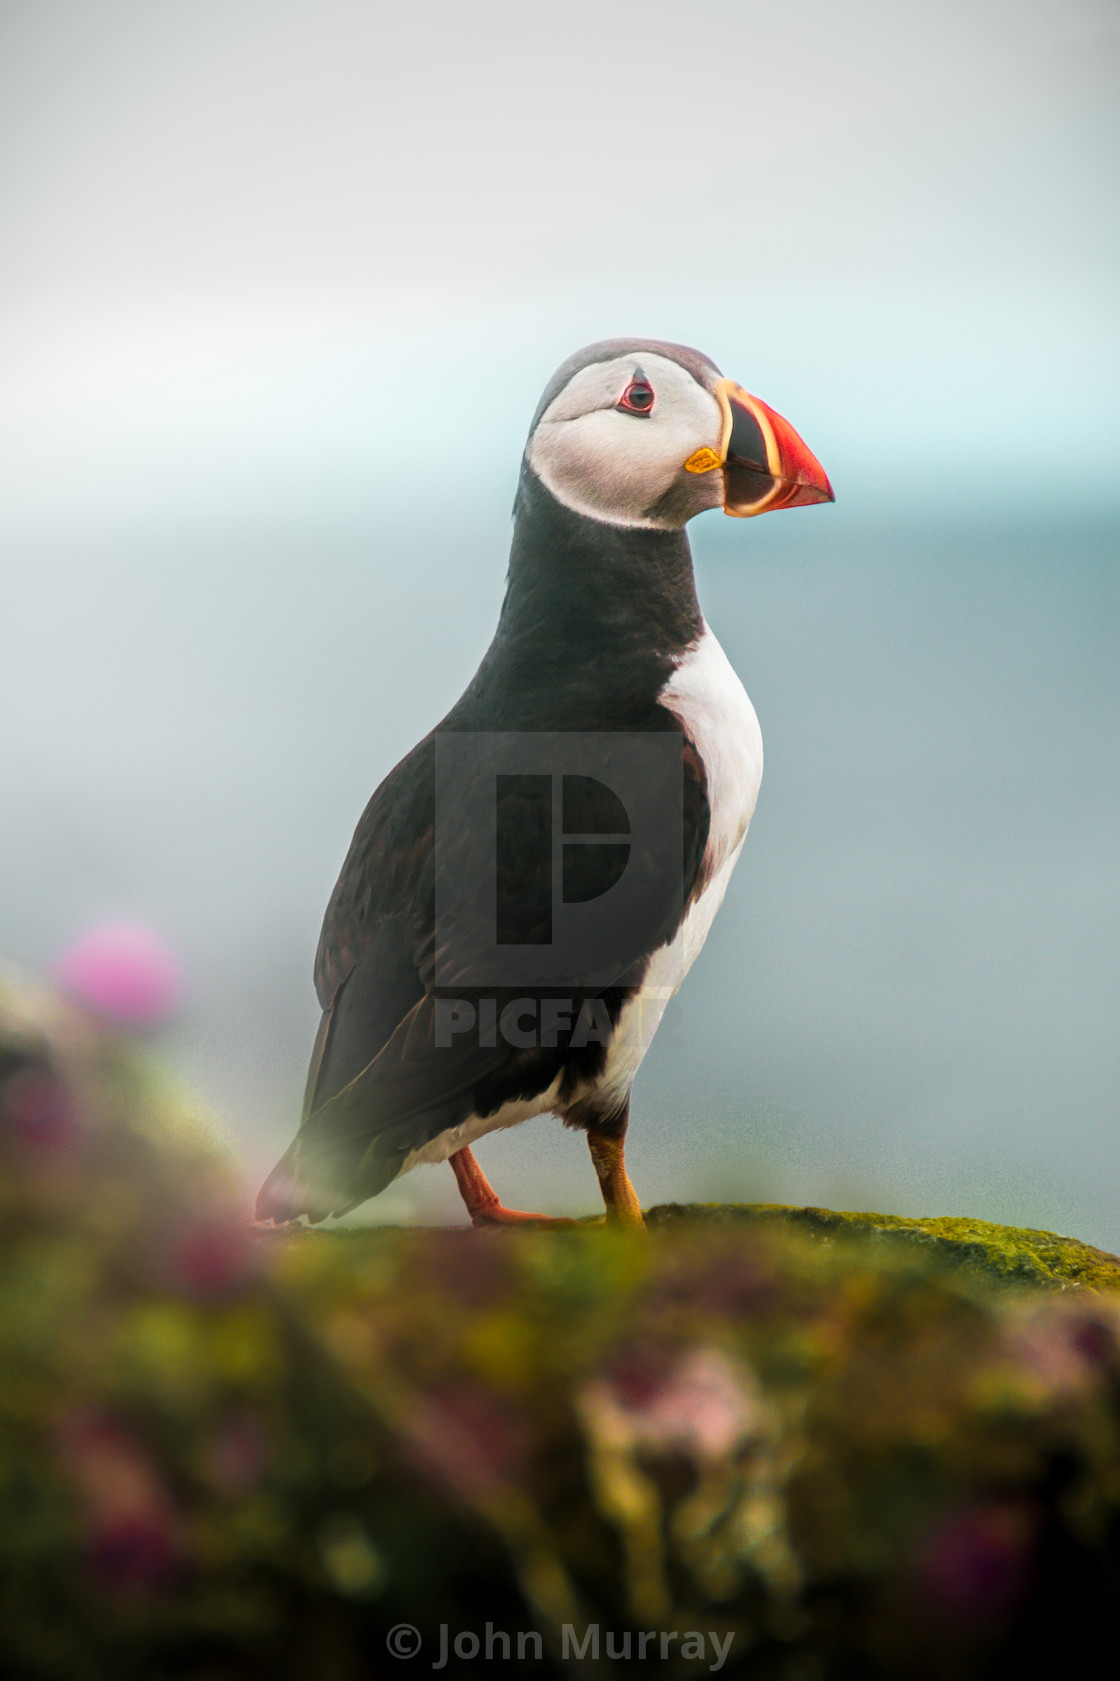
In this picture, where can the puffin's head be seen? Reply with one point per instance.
(641, 433)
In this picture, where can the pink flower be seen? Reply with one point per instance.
(975, 1566)
(466, 1439)
(133, 1532)
(39, 1110)
(122, 972)
(703, 1405)
(208, 1257)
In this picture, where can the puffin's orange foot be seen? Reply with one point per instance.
(499, 1216)
(619, 1195)
(482, 1201)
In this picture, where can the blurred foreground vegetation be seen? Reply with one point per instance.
(857, 1446)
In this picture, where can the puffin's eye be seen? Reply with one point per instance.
(637, 398)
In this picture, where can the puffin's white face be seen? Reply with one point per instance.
(614, 443)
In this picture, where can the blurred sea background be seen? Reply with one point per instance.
(280, 287)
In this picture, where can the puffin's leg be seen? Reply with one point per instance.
(482, 1201)
(608, 1152)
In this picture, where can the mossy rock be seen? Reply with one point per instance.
(980, 1250)
(847, 1445)
(1000, 1254)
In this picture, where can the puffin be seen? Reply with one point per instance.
(528, 887)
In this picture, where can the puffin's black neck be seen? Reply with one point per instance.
(596, 615)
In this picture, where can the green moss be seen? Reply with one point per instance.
(1000, 1254)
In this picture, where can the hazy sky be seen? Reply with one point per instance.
(188, 188)
(279, 287)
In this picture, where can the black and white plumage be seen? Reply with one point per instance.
(600, 631)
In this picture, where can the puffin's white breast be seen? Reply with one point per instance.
(708, 698)
(706, 695)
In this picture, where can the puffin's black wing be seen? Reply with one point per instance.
(386, 1076)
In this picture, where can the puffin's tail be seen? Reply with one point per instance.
(286, 1194)
(279, 1197)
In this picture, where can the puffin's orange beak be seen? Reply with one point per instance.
(765, 464)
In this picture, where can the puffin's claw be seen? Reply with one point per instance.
(483, 1203)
